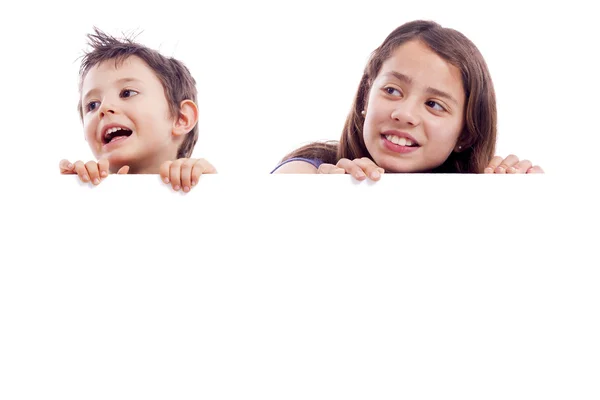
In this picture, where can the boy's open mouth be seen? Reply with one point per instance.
(115, 133)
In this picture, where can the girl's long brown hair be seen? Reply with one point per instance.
(478, 138)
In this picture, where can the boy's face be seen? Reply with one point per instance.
(126, 117)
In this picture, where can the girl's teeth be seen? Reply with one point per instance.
(399, 140)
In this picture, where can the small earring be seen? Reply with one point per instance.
(363, 112)
(459, 147)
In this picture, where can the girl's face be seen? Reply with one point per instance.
(415, 110)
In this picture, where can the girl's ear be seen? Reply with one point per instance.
(187, 119)
(462, 144)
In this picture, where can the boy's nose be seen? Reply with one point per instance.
(107, 111)
(106, 108)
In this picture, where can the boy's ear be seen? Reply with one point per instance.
(187, 119)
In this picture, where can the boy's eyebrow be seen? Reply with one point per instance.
(121, 81)
(127, 80)
(436, 92)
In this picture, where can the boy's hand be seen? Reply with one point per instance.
(511, 165)
(91, 171)
(184, 173)
(359, 168)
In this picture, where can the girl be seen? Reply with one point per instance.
(425, 103)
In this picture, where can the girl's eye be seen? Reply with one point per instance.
(392, 91)
(92, 105)
(128, 93)
(435, 105)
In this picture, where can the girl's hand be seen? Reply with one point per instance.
(511, 165)
(359, 168)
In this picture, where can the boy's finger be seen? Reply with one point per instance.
(207, 167)
(186, 173)
(81, 171)
(103, 167)
(164, 171)
(123, 170)
(197, 170)
(93, 171)
(201, 166)
(66, 167)
(175, 174)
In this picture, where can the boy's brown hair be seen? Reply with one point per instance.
(176, 79)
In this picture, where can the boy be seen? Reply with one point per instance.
(139, 114)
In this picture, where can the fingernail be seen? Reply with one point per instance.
(381, 170)
(85, 178)
(375, 175)
(186, 189)
(488, 170)
(361, 174)
(103, 173)
(70, 166)
(500, 170)
(96, 181)
(511, 170)
(193, 183)
(176, 187)
(166, 180)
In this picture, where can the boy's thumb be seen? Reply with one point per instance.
(123, 170)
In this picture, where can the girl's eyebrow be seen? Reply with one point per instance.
(439, 93)
(433, 91)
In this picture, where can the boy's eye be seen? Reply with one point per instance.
(435, 105)
(128, 93)
(92, 105)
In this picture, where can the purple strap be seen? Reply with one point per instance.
(314, 162)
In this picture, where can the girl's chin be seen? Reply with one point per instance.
(392, 165)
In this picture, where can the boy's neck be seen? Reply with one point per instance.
(149, 169)
(151, 165)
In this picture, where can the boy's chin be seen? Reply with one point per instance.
(117, 161)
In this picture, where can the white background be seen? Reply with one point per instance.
(275, 75)
(420, 286)
(297, 286)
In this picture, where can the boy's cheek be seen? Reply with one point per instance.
(89, 132)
